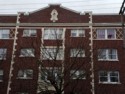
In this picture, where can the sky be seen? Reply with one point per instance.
(96, 6)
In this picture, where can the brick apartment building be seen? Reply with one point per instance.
(25, 36)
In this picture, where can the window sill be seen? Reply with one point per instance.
(28, 36)
(77, 56)
(1, 59)
(108, 60)
(77, 36)
(109, 83)
(23, 78)
(52, 39)
(78, 78)
(107, 39)
(26, 56)
(53, 59)
(7, 39)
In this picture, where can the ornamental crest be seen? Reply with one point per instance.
(54, 15)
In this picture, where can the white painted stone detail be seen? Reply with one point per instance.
(54, 15)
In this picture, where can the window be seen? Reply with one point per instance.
(108, 76)
(1, 75)
(106, 34)
(29, 33)
(107, 54)
(3, 52)
(53, 33)
(25, 74)
(27, 52)
(50, 74)
(52, 53)
(77, 74)
(77, 33)
(4, 33)
(77, 53)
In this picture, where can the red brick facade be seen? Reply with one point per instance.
(68, 20)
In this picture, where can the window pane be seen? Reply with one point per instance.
(29, 32)
(103, 79)
(25, 74)
(77, 53)
(103, 76)
(4, 34)
(52, 53)
(77, 74)
(102, 54)
(3, 52)
(50, 74)
(81, 33)
(112, 53)
(113, 79)
(27, 52)
(73, 33)
(77, 33)
(53, 33)
(29, 73)
(101, 34)
(111, 33)
(1, 75)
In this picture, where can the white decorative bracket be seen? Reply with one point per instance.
(54, 15)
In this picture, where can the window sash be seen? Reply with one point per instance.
(77, 74)
(108, 78)
(1, 75)
(52, 53)
(53, 33)
(25, 74)
(29, 32)
(107, 54)
(29, 52)
(4, 33)
(3, 52)
(106, 34)
(77, 53)
(77, 33)
(48, 74)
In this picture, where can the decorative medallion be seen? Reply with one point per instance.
(54, 15)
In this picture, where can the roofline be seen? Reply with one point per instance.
(8, 14)
(78, 12)
(39, 9)
(105, 14)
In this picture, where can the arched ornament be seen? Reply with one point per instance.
(54, 15)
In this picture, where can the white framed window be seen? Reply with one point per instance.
(29, 33)
(77, 53)
(48, 74)
(52, 53)
(77, 33)
(53, 34)
(4, 34)
(25, 74)
(109, 77)
(106, 34)
(1, 75)
(77, 74)
(107, 54)
(3, 53)
(27, 52)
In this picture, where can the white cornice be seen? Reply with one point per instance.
(62, 24)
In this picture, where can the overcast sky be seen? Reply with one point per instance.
(96, 6)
